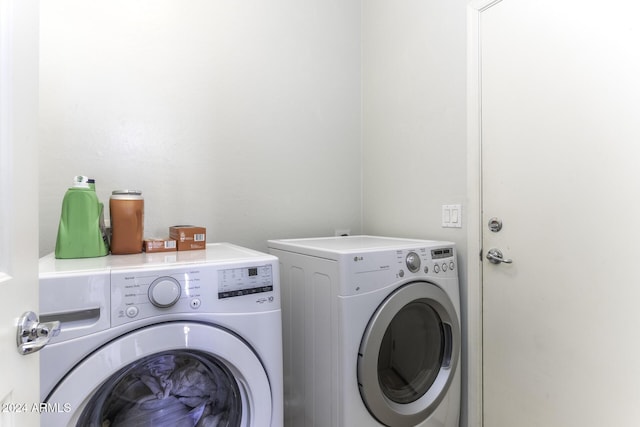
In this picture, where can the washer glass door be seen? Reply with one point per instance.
(409, 354)
(172, 388)
(168, 374)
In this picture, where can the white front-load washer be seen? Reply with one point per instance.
(164, 339)
(371, 330)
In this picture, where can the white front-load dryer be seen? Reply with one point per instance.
(167, 339)
(371, 330)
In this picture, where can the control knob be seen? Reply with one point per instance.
(413, 262)
(164, 292)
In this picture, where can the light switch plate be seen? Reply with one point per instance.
(452, 216)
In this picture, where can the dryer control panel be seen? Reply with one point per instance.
(443, 260)
(426, 260)
(370, 270)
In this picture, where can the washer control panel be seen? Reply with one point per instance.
(139, 294)
(235, 282)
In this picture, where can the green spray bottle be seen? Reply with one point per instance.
(79, 232)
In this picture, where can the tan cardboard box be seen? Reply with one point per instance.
(160, 245)
(189, 237)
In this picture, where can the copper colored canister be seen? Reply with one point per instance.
(127, 221)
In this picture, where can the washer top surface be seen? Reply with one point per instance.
(351, 244)
(215, 253)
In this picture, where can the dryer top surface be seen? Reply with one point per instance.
(351, 244)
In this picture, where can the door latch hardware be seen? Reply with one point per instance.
(495, 257)
(33, 335)
(495, 224)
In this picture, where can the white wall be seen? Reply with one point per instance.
(414, 101)
(243, 117)
(414, 123)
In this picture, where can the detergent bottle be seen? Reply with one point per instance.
(79, 233)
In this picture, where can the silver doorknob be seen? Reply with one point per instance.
(495, 257)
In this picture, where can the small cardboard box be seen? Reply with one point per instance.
(189, 237)
(160, 245)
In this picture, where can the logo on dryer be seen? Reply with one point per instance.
(264, 300)
(358, 258)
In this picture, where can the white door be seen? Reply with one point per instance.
(19, 381)
(560, 105)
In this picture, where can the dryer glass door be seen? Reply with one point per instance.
(412, 351)
(409, 354)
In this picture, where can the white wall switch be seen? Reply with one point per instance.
(452, 216)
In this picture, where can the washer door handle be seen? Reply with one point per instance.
(495, 257)
(33, 335)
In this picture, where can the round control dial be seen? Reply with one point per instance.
(413, 262)
(164, 292)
